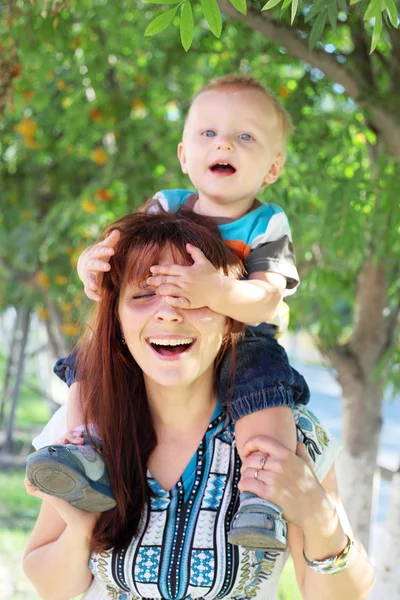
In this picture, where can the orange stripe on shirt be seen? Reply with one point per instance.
(242, 249)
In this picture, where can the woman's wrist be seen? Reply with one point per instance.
(324, 537)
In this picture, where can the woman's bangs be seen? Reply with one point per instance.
(140, 259)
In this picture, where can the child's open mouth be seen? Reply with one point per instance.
(222, 168)
(170, 347)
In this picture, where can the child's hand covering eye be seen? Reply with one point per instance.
(94, 261)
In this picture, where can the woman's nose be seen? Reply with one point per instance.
(168, 313)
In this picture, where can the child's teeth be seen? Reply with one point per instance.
(162, 342)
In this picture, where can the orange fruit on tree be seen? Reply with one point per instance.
(99, 156)
(104, 195)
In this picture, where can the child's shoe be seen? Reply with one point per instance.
(258, 525)
(76, 473)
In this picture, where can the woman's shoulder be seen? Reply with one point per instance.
(322, 447)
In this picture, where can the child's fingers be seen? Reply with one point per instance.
(101, 250)
(168, 289)
(157, 280)
(96, 265)
(167, 269)
(196, 253)
(177, 301)
(92, 294)
(112, 239)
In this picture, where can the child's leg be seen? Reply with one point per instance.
(259, 401)
(75, 472)
(276, 422)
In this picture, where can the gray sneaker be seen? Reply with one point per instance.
(258, 525)
(76, 473)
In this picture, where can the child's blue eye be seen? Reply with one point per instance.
(246, 137)
(209, 133)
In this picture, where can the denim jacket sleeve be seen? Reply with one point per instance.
(65, 368)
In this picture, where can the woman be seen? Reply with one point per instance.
(148, 379)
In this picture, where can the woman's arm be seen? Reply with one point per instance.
(56, 557)
(326, 537)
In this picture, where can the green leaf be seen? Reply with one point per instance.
(161, 22)
(240, 6)
(374, 9)
(332, 15)
(392, 13)
(285, 4)
(271, 4)
(376, 33)
(352, 2)
(343, 6)
(316, 10)
(162, 1)
(212, 14)
(295, 5)
(317, 29)
(187, 25)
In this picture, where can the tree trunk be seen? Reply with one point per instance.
(357, 462)
(9, 369)
(25, 318)
(356, 363)
(58, 343)
(387, 572)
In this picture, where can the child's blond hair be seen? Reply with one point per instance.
(248, 82)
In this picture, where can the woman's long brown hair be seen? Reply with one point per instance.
(112, 386)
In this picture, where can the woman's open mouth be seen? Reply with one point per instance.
(172, 347)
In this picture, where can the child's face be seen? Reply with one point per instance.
(237, 127)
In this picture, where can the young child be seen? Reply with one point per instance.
(233, 146)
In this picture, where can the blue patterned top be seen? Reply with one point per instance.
(181, 549)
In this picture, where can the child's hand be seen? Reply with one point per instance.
(187, 287)
(94, 261)
(71, 437)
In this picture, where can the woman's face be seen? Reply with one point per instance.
(173, 347)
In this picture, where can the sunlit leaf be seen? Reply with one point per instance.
(187, 25)
(295, 5)
(376, 32)
(392, 12)
(240, 6)
(161, 22)
(162, 2)
(271, 4)
(374, 9)
(212, 14)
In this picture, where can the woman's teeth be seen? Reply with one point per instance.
(166, 347)
(164, 342)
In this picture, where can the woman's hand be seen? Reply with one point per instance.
(80, 521)
(286, 479)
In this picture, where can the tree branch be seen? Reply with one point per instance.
(290, 39)
(385, 120)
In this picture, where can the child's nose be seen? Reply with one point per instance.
(224, 144)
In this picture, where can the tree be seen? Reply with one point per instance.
(89, 69)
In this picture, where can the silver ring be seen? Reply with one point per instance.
(256, 474)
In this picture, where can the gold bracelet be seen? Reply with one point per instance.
(334, 564)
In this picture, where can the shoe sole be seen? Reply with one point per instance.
(60, 480)
(257, 539)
